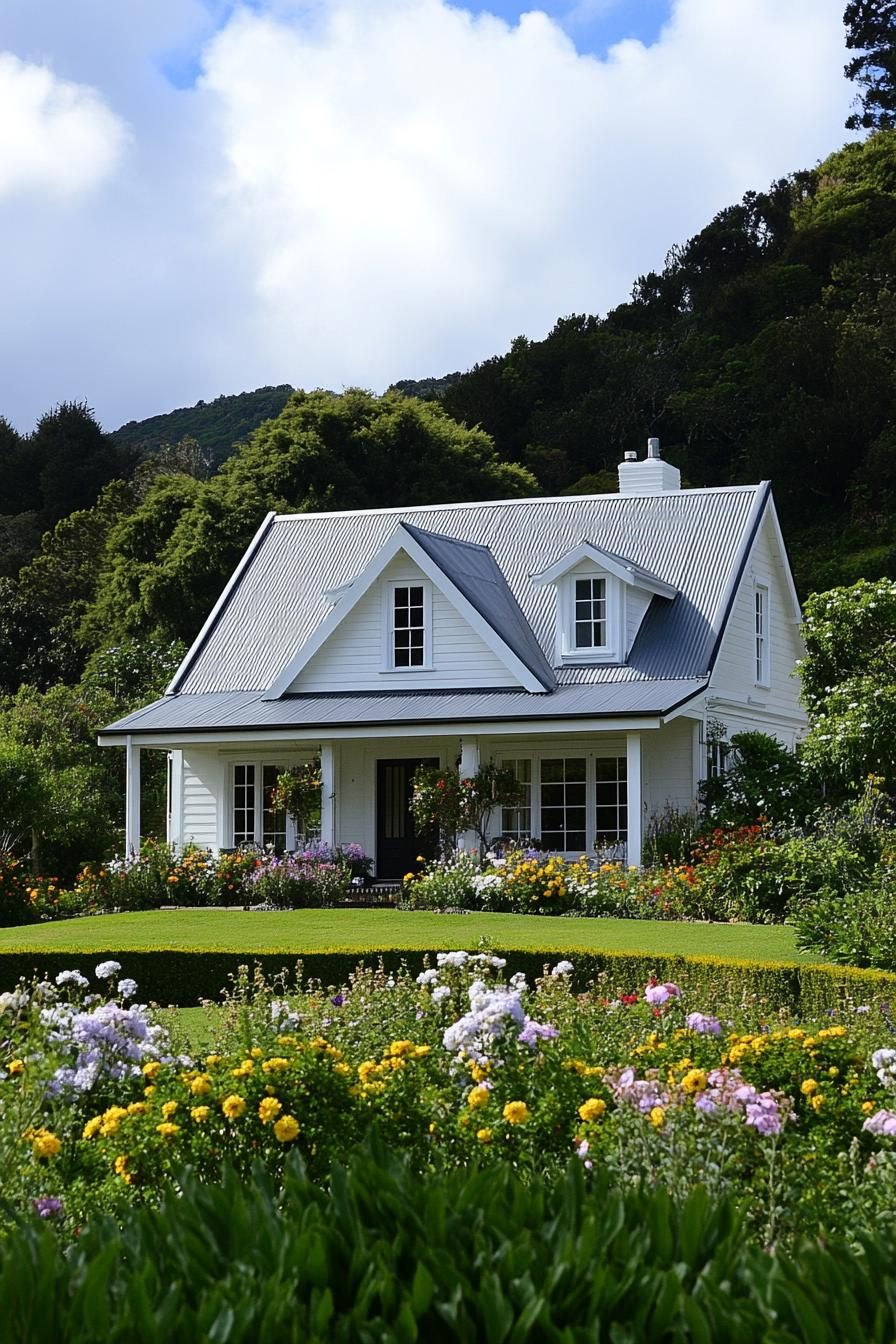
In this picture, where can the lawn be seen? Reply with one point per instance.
(296, 932)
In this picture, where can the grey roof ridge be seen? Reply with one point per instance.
(528, 650)
(496, 503)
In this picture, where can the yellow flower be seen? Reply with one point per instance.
(368, 1067)
(275, 1065)
(167, 1130)
(867, 1107)
(592, 1109)
(212, 1060)
(478, 1096)
(92, 1127)
(168, 1109)
(201, 1085)
(243, 1070)
(286, 1129)
(694, 1080)
(16, 1066)
(121, 1169)
(111, 1119)
(833, 1071)
(484, 1135)
(256, 1052)
(138, 1108)
(233, 1106)
(817, 1102)
(342, 1069)
(808, 1087)
(516, 1112)
(657, 1117)
(268, 1109)
(44, 1143)
(200, 1114)
(151, 1069)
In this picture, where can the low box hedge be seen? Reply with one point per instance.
(186, 978)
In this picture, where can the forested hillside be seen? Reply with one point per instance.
(215, 426)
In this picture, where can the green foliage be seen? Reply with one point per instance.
(217, 427)
(762, 781)
(849, 682)
(444, 802)
(388, 1255)
(871, 31)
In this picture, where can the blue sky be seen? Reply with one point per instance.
(203, 196)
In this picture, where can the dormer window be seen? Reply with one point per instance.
(590, 613)
(409, 625)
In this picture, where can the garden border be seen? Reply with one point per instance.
(183, 978)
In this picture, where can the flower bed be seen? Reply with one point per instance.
(468, 1062)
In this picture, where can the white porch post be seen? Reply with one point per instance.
(328, 782)
(131, 798)
(469, 764)
(633, 796)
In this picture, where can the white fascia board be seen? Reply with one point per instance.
(796, 613)
(401, 540)
(460, 728)
(739, 567)
(586, 551)
(171, 688)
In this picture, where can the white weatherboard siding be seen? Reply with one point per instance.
(357, 773)
(203, 791)
(353, 658)
(744, 705)
(668, 768)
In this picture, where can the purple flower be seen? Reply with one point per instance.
(763, 1114)
(48, 1206)
(703, 1025)
(338, 1000)
(657, 995)
(537, 1031)
(882, 1123)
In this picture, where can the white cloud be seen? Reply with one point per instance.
(363, 190)
(414, 186)
(56, 137)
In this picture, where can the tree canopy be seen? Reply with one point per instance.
(871, 33)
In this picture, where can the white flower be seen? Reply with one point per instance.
(107, 969)
(127, 988)
(440, 992)
(562, 968)
(72, 978)
(427, 977)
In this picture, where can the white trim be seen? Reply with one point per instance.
(401, 540)
(635, 802)
(329, 793)
(613, 650)
(618, 568)
(176, 799)
(796, 612)
(212, 617)
(131, 798)
(749, 538)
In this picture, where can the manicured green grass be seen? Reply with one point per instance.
(296, 932)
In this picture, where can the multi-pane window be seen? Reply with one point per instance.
(408, 626)
(611, 798)
(273, 820)
(255, 820)
(244, 804)
(516, 822)
(564, 802)
(590, 615)
(760, 615)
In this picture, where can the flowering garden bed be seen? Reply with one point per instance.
(640, 1090)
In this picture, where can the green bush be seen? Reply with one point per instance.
(384, 1255)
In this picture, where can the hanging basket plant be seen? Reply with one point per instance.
(297, 793)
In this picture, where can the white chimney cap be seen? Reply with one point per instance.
(653, 448)
(629, 456)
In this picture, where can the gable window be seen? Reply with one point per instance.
(590, 613)
(760, 628)
(408, 635)
(254, 820)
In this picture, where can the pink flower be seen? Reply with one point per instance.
(660, 994)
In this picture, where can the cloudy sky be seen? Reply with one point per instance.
(200, 197)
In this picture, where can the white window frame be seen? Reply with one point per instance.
(389, 664)
(536, 756)
(761, 634)
(612, 650)
(258, 763)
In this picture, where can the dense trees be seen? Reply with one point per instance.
(871, 32)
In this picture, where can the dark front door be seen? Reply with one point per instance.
(397, 845)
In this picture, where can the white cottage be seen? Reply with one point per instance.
(587, 641)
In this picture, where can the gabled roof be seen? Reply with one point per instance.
(468, 577)
(695, 542)
(628, 571)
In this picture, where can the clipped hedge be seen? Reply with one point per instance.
(472, 1257)
(186, 978)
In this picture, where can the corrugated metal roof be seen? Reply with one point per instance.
(691, 539)
(247, 709)
(474, 572)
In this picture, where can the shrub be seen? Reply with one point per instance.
(295, 883)
(17, 906)
(446, 883)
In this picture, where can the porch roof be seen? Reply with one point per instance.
(240, 710)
